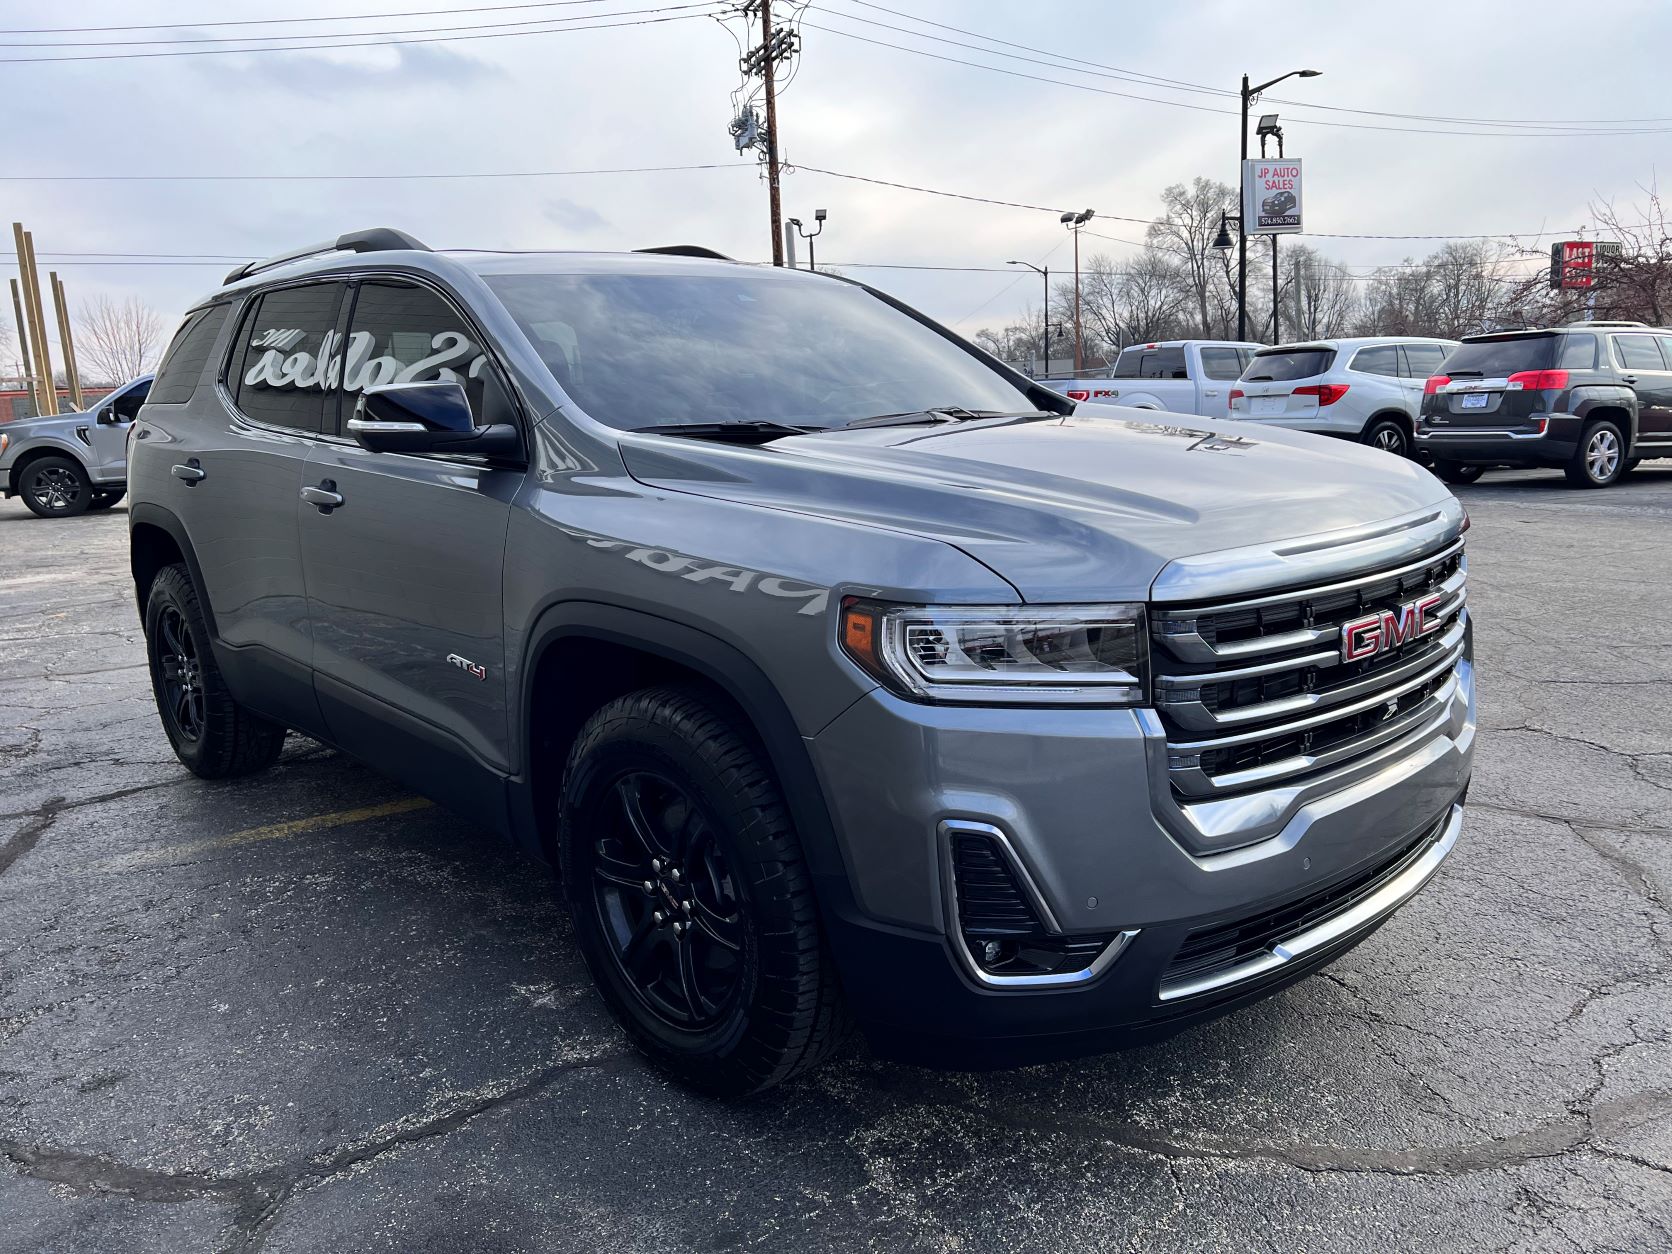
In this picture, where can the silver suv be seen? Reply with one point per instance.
(846, 674)
(1367, 389)
(67, 464)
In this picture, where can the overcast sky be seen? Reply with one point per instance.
(659, 95)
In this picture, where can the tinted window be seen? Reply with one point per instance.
(1221, 363)
(1578, 352)
(1284, 364)
(1383, 359)
(1666, 347)
(1163, 363)
(183, 363)
(402, 333)
(127, 405)
(286, 365)
(1497, 359)
(639, 350)
(1126, 365)
(1638, 352)
(1422, 360)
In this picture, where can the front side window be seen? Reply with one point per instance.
(1383, 359)
(1221, 363)
(286, 366)
(648, 350)
(403, 333)
(126, 406)
(1638, 352)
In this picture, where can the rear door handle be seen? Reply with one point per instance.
(325, 496)
(191, 472)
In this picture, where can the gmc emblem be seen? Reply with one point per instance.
(1388, 629)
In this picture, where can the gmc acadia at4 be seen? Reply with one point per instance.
(860, 680)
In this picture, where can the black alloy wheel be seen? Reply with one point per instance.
(667, 902)
(56, 487)
(181, 675)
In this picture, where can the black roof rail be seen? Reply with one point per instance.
(687, 250)
(374, 239)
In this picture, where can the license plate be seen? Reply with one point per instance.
(1266, 404)
(1474, 400)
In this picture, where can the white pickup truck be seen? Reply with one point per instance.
(1180, 376)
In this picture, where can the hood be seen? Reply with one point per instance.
(1092, 505)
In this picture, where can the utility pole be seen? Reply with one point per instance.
(1045, 330)
(1074, 221)
(763, 59)
(46, 389)
(24, 345)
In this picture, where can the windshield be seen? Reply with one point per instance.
(653, 350)
(1497, 359)
(1286, 364)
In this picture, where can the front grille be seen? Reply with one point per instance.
(1208, 951)
(1255, 691)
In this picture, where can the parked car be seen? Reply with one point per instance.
(1180, 376)
(67, 464)
(1592, 399)
(1278, 204)
(865, 680)
(1368, 390)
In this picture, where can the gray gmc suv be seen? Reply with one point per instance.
(848, 676)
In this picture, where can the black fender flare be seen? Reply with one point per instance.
(146, 514)
(723, 665)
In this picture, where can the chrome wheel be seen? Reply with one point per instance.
(1602, 455)
(182, 675)
(671, 911)
(56, 488)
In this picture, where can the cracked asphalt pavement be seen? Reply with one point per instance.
(307, 1011)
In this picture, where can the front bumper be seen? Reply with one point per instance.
(1073, 794)
(1547, 440)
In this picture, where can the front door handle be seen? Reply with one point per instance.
(325, 496)
(191, 472)
(1628, 378)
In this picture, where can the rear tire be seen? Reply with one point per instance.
(1389, 436)
(213, 736)
(718, 971)
(1458, 472)
(55, 487)
(1599, 459)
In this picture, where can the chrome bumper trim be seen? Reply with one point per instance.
(1379, 904)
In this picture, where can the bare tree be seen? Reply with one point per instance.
(1185, 231)
(116, 340)
(1319, 294)
(1638, 283)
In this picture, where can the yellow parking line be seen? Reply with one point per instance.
(272, 831)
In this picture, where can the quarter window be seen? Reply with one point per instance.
(403, 333)
(286, 365)
(1638, 352)
(1383, 359)
(1579, 352)
(177, 377)
(1422, 361)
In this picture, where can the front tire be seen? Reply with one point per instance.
(56, 487)
(691, 899)
(213, 736)
(1389, 436)
(1599, 459)
(104, 500)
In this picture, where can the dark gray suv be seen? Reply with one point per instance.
(846, 674)
(1592, 399)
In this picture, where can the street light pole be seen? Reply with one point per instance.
(1045, 331)
(1074, 221)
(1248, 96)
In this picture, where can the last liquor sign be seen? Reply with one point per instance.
(1271, 197)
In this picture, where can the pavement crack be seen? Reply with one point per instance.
(30, 836)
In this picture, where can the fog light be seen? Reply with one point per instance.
(990, 952)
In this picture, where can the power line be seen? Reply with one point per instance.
(352, 178)
(1197, 108)
(372, 43)
(278, 21)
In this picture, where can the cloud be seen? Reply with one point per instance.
(399, 67)
(572, 217)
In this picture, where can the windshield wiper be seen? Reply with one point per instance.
(940, 413)
(739, 427)
(1459, 373)
(1259, 378)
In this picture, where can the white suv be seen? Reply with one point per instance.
(1360, 389)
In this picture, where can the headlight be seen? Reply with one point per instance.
(1001, 654)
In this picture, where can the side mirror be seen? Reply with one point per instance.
(428, 418)
(106, 416)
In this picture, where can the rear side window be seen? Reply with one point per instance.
(1162, 363)
(183, 364)
(1221, 363)
(1638, 352)
(1285, 364)
(1383, 359)
(1126, 365)
(1422, 360)
(1579, 352)
(1498, 359)
(403, 333)
(284, 363)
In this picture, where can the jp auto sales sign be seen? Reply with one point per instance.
(1271, 197)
